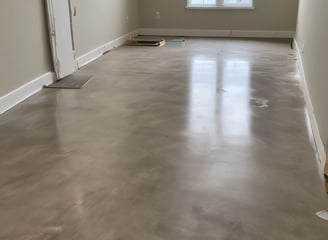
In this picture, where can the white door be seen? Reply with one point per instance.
(59, 18)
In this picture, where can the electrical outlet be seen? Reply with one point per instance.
(157, 15)
(127, 19)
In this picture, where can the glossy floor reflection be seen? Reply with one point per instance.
(202, 142)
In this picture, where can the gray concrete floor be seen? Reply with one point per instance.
(204, 142)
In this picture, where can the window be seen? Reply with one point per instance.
(217, 4)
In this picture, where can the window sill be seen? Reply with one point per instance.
(220, 8)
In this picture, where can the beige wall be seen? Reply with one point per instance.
(99, 21)
(312, 32)
(24, 49)
(279, 15)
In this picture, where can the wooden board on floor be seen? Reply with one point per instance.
(145, 42)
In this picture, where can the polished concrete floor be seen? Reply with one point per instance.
(203, 142)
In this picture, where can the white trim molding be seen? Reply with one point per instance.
(20, 94)
(314, 128)
(99, 51)
(215, 33)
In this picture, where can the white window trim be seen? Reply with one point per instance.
(220, 6)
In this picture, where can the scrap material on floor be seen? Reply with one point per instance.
(175, 42)
(323, 215)
(73, 81)
(145, 42)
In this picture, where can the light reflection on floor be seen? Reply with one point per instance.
(235, 120)
(203, 94)
(223, 91)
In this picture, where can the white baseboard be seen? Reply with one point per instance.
(317, 141)
(184, 32)
(215, 33)
(20, 94)
(99, 51)
(263, 34)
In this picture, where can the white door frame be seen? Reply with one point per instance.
(61, 37)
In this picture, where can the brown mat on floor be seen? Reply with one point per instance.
(74, 81)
